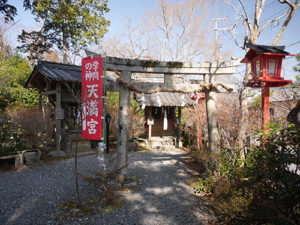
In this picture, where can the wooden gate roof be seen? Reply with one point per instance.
(165, 99)
(55, 72)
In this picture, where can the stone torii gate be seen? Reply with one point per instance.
(124, 68)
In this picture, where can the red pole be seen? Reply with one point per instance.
(199, 126)
(265, 105)
(199, 96)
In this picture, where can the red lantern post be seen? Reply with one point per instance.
(199, 97)
(265, 101)
(266, 64)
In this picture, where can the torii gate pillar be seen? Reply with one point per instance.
(211, 111)
(123, 120)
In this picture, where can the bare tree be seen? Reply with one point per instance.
(5, 43)
(176, 31)
(254, 27)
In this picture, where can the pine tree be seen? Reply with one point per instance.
(70, 23)
(297, 69)
(10, 11)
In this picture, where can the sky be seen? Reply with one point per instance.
(123, 10)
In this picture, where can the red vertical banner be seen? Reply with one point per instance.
(91, 98)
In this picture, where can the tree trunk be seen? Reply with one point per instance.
(242, 129)
(65, 56)
(65, 52)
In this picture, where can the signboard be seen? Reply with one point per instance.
(150, 121)
(91, 99)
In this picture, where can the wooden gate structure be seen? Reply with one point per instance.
(48, 84)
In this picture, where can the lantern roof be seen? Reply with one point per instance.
(256, 50)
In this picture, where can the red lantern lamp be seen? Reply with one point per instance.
(266, 64)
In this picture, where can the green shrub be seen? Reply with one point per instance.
(204, 185)
(9, 139)
(31, 125)
(263, 188)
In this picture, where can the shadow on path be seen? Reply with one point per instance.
(163, 197)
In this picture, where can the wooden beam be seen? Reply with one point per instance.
(123, 126)
(52, 92)
(69, 99)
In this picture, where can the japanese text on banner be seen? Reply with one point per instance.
(92, 101)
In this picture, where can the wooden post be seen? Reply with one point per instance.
(58, 116)
(48, 111)
(149, 131)
(100, 148)
(107, 122)
(150, 121)
(211, 111)
(123, 120)
(178, 128)
(41, 104)
(265, 95)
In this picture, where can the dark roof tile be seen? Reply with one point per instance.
(59, 71)
(165, 99)
(269, 49)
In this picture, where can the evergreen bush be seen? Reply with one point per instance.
(263, 188)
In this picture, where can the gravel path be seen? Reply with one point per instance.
(163, 197)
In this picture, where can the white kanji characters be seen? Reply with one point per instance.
(92, 126)
(88, 66)
(95, 66)
(92, 90)
(88, 76)
(92, 76)
(92, 108)
(92, 102)
(96, 75)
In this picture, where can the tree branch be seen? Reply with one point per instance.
(293, 8)
(272, 21)
(247, 18)
(287, 2)
(235, 9)
(258, 11)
